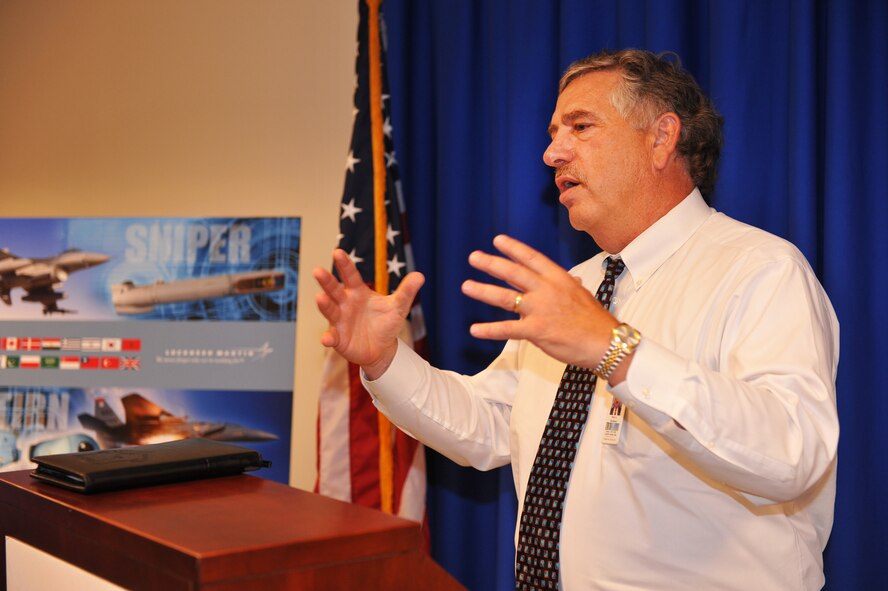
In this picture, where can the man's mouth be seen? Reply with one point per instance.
(566, 183)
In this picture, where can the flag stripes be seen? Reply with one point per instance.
(362, 458)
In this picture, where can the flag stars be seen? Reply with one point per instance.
(356, 259)
(390, 159)
(351, 161)
(387, 127)
(391, 234)
(395, 266)
(350, 210)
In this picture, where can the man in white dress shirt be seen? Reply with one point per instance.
(708, 457)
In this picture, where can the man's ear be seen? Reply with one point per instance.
(667, 132)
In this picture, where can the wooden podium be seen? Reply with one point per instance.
(221, 534)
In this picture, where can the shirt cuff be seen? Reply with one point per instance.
(652, 384)
(405, 368)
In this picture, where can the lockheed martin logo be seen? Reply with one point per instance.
(218, 356)
(263, 351)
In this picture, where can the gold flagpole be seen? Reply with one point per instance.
(386, 468)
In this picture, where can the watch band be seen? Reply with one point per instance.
(611, 351)
(624, 340)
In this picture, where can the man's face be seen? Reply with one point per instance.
(600, 160)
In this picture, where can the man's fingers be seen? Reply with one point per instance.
(330, 338)
(328, 308)
(525, 255)
(511, 272)
(331, 286)
(522, 267)
(499, 331)
(408, 288)
(493, 295)
(348, 272)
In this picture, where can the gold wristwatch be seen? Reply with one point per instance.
(624, 340)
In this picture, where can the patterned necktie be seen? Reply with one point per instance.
(537, 562)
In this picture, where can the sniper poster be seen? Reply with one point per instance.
(128, 331)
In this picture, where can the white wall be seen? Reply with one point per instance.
(185, 107)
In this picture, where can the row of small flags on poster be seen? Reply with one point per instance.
(91, 344)
(68, 362)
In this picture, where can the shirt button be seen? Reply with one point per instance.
(710, 444)
(645, 392)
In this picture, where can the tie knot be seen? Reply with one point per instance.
(615, 266)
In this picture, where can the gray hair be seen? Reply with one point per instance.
(651, 85)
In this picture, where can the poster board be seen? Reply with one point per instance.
(124, 331)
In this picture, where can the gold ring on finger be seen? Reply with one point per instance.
(517, 302)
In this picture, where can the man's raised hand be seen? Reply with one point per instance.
(363, 325)
(556, 313)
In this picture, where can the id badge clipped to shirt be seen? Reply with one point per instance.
(614, 425)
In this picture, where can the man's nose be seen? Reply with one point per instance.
(558, 153)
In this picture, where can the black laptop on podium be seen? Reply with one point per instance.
(144, 465)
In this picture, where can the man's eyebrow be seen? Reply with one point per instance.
(571, 117)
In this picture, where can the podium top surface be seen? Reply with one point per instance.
(209, 529)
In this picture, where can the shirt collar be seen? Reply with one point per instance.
(650, 249)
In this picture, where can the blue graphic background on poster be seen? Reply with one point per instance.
(161, 259)
(49, 420)
(68, 284)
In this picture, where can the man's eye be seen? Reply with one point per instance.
(581, 126)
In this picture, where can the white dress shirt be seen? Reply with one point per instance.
(723, 477)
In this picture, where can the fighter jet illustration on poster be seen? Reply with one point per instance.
(40, 277)
(146, 422)
(129, 298)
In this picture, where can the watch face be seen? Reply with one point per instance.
(628, 335)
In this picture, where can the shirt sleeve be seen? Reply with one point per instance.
(761, 418)
(466, 418)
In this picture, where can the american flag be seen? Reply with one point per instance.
(362, 458)
(71, 344)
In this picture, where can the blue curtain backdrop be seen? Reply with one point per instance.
(803, 87)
